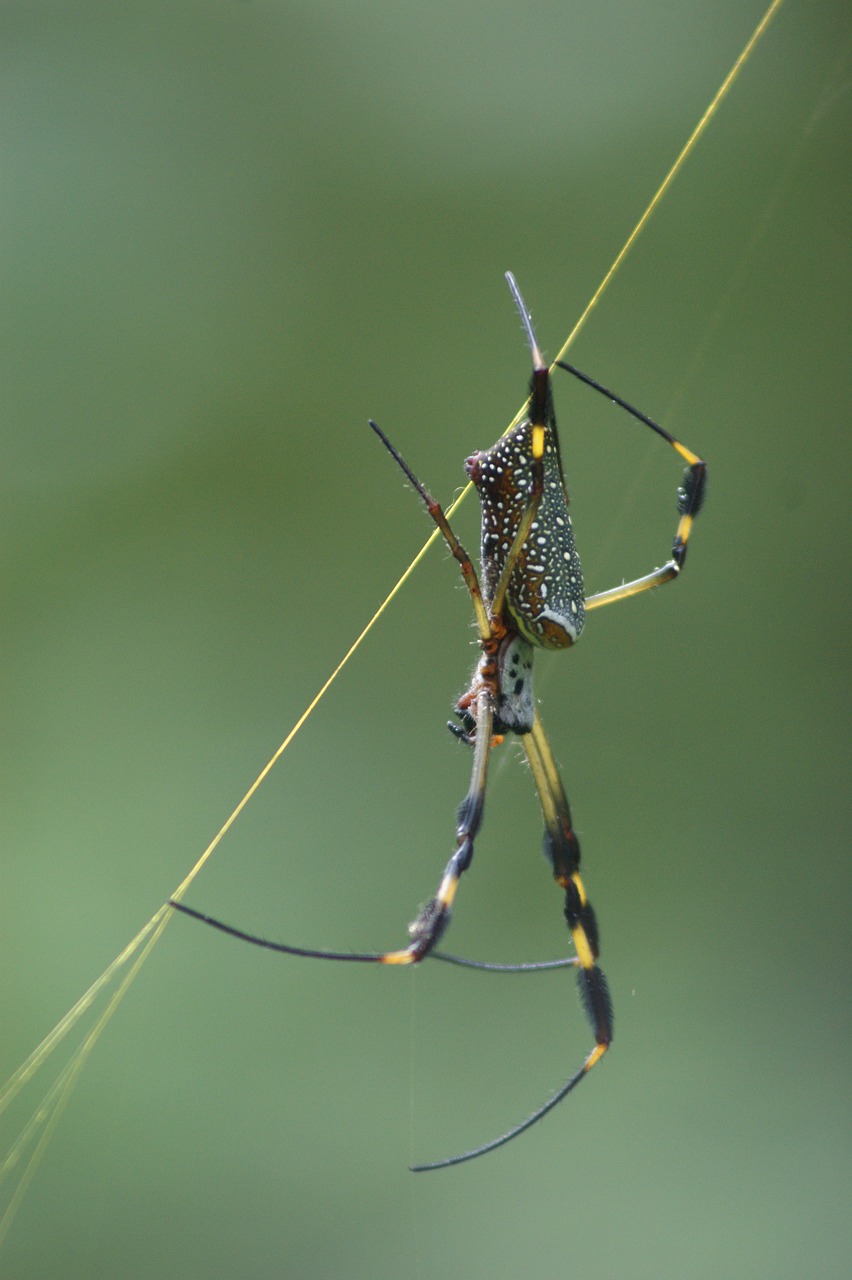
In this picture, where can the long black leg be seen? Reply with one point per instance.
(690, 497)
(437, 513)
(563, 852)
(426, 930)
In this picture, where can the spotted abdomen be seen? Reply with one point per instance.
(545, 596)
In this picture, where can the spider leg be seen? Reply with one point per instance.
(540, 408)
(690, 498)
(563, 852)
(437, 513)
(433, 919)
(365, 957)
(562, 849)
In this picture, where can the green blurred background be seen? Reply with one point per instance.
(232, 232)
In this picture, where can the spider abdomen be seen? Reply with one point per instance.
(546, 597)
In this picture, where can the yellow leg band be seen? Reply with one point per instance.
(447, 891)
(399, 957)
(595, 1056)
(686, 454)
(685, 528)
(584, 951)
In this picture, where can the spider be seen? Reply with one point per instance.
(529, 594)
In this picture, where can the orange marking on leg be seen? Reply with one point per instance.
(408, 956)
(595, 1056)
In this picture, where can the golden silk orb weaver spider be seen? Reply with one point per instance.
(529, 594)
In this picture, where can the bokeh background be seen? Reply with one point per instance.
(232, 231)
